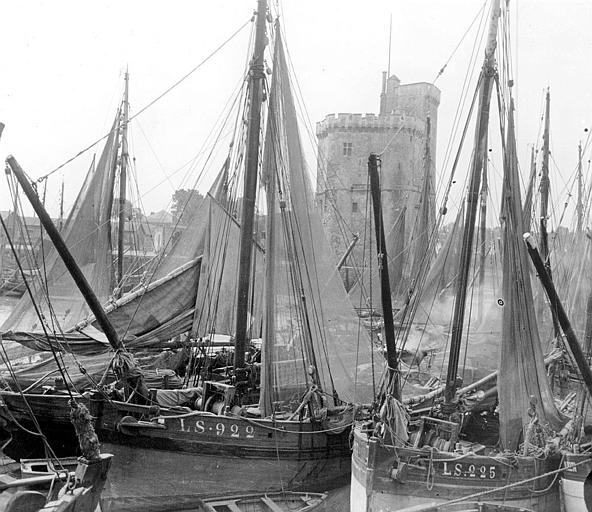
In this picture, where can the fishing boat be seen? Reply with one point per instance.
(57, 489)
(57, 492)
(279, 419)
(576, 482)
(576, 459)
(461, 446)
(168, 295)
(87, 231)
(570, 375)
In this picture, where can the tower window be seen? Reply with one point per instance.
(355, 208)
(347, 149)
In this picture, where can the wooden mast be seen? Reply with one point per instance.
(66, 256)
(544, 210)
(122, 187)
(482, 236)
(256, 77)
(385, 287)
(2, 234)
(422, 237)
(527, 208)
(570, 335)
(61, 224)
(545, 187)
(488, 73)
(580, 205)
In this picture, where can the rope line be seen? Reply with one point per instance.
(146, 107)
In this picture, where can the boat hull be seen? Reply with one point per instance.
(181, 459)
(437, 477)
(574, 482)
(131, 488)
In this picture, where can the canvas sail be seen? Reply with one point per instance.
(153, 313)
(572, 276)
(187, 241)
(87, 236)
(313, 336)
(433, 301)
(522, 381)
(365, 293)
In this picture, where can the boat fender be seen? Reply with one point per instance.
(126, 420)
(237, 410)
(25, 501)
(399, 472)
(218, 407)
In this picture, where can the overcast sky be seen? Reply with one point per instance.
(63, 64)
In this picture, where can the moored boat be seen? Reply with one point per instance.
(267, 421)
(576, 482)
(464, 443)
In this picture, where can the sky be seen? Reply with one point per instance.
(63, 63)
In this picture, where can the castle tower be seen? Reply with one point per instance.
(398, 132)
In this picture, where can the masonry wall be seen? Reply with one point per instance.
(345, 142)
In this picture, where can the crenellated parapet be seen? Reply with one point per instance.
(398, 133)
(369, 122)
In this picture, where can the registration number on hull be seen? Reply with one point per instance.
(467, 470)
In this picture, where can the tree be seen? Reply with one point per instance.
(128, 209)
(186, 203)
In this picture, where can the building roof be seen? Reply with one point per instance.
(160, 217)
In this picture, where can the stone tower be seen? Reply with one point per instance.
(398, 133)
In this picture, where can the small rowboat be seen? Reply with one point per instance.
(272, 502)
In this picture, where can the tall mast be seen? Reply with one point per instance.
(256, 77)
(66, 256)
(2, 234)
(385, 287)
(545, 186)
(482, 235)
(122, 186)
(580, 205)
(527, 208)
(545, 203)
(61, 224)
(421, 245)
(488, 73)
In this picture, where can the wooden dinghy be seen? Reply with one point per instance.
(275, 502)
(80, 489)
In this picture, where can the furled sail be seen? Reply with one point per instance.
(312, 336)
(522, 382)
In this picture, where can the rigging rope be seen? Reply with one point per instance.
(150, 104)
